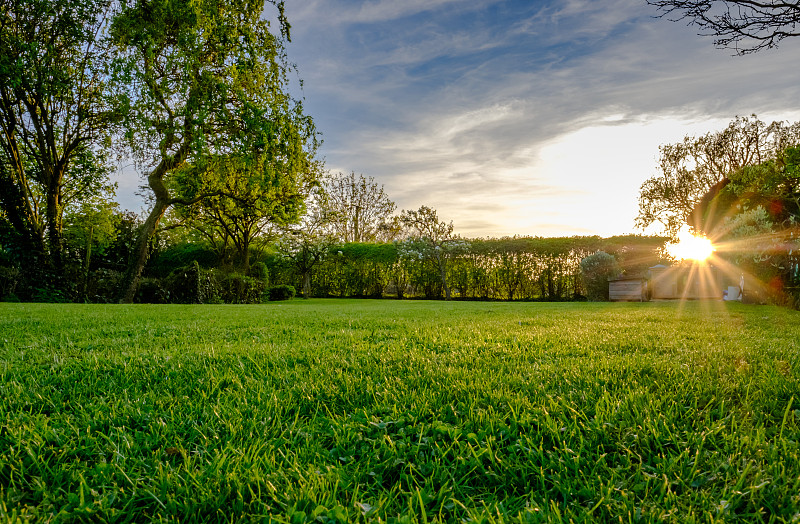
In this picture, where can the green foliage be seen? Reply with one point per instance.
(244, 199)
(235, 288)
(49, 295)
(520, 268)
(773, 185)
(102, 285)
(756, 216)
(281, 292)
(89, 225)
(400, 411)
(303, 250)
(259, 270)
(181, 255)
(698, 166)
(152, 291)
(596, 270)
(206, 88)
(9, 278)
(116, 255)
(55, 112)
(186, 285)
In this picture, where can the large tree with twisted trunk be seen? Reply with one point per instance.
(746, 26)
(204, 79)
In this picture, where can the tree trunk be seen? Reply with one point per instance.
(86, 263)
(54, 231)
(246, 256)
(443, 273)
(20, 215)
(307, 284)
(140, 252)
(163, 201)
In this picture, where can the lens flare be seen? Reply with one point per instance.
(691, 247)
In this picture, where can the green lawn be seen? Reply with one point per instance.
(387, 411)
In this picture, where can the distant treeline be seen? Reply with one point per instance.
(519, 268)
(484, 269)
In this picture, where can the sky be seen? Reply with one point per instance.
(532, 118)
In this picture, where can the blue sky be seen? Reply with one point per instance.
(513, 117)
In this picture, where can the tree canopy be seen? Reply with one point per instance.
(204, 80)
(697, 166)
(358, 208)
(54, 112)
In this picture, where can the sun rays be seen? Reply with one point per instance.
(691, 247)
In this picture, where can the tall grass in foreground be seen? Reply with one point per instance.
(379, 411)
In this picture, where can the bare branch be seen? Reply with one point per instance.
(746, 26)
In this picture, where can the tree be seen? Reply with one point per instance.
(755, 218)
(359, 210)
(204, 79)
(693, 168)
(596, 269)
(435, 240)
(89, 229)
(773, 185)
(245, 202)
(54, 111)
(746, 26)
(306, 247)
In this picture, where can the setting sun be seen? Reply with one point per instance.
(691, 247)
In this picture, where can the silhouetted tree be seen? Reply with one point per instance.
(746, 26)
(692, 168)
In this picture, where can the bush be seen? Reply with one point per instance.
(281, 292)
(103, 285)
(259, 270)
(185, 285)
(48, 294)
(11, 297)
(180, 256)
(9, 277)
(596, 270)
(235, 288)
(152, 291)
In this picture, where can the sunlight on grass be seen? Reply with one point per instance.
(388, 411)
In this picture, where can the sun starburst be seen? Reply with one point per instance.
(691, 247)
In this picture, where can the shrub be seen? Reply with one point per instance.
(103, 285)
(9, 277)
(179, 256)
(281, 292)
(185, 285)
(152, 291)
(236, 288)
(596, 269)
(259, 270)
(48, 294)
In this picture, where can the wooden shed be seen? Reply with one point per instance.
(664, 282)
(627, 289)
